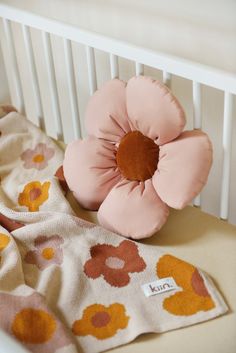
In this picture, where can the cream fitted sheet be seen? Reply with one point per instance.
(209, 243)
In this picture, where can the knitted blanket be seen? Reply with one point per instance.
(67, 285)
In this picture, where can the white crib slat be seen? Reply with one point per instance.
(15, 70)
(34, 77)
(139, 69)
(227, 142)
(178, 66)
(197, 120)
(114, 66)
(166, 78)
(197, 105)
(197, 201)
(72, 88)
(91, 70)
(52, 82)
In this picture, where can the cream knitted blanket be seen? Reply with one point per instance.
(67, 285)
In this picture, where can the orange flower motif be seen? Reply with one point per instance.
(43, 323)
(100, 321)
(4, 240)
(34, 195)
(194, 296)
(31, 322)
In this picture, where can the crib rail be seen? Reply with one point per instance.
(169, 65)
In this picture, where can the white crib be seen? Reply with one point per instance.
(170, 66)
(142, 58)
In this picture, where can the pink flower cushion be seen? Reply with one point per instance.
(136, 161)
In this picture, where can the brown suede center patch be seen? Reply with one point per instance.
(137, 156)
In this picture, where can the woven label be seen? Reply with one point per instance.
(159, 286)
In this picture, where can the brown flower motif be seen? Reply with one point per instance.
(114, 263)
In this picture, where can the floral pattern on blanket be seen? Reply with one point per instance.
(34, 195)
(114, 263)
(100, 321)
(4, 241)
(38, 157)
(47, 252)
(194, 297)
(29, 320)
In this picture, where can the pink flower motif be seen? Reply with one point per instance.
(28, 320)
(47, 251)
(38, 157)
(136, 161)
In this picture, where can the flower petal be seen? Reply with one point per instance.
(128, 251)
(153, 110)
(93, 268)
(187, 303)
(106, 115)
(133, 209)
(90, 170)
(183, 168)
(31, 257)
(58, 257)
(116, 278)
(43, 241)
(103, 251)
(29, 319)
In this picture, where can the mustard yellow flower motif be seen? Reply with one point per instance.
(44, 326)
(194, 296)
(100, 321)
(30, 321)
(34, 195)
(4, 240)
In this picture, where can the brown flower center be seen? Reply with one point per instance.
(100, 319)
(34, 193)
(198, 284)
(137, 156)
(114, 262)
